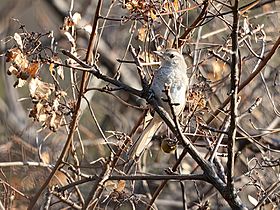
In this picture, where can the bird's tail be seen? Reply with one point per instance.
(145, 138)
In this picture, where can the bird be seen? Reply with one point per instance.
(173, 73)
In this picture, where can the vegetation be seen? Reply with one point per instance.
(75, 96)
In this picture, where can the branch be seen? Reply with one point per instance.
(137, 177)
(98, 74)
(206, 166)
(233, 105)
(24, 163)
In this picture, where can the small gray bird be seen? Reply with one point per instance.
(172, 72)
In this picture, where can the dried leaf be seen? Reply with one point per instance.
(12, 70)
(60, 72)
(153, 15)
(45, 157)
(33, 68)
(21, 61)
(42, 117)
(142, 34)
(68, 22)
(176, 5)
(121, 186)
(12, 54)
(51, 68)
(88, 28)
(142, 7)
(52, 123)
(252, 200)
(18, 40)
(58, 120)
(19, 83)
(40, 114)
(40, 90)
(110, 185)
(61, 93)
(55, 104)
(76, 18)
(131, 5)
(196, 100)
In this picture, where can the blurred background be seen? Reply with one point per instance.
(22, 140)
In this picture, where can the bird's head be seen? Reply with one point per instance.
(170, 57)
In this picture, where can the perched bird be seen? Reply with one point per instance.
(172, 72)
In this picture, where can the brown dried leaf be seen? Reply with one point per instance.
(11, 54)
(196, 100)
(21, 61)
(121, 186)
(40, 90)
(110, 185)
(61, 93)
(42, 117)
(132, 5)
(142, 34)
(33, 68)
(153, 15)
(45, 157)
(51, 68)
(55, 104)
(171, 6)
(53, 123)
(68, 22)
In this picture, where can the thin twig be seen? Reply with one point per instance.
(198, 20)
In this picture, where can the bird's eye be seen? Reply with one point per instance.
(171, 56)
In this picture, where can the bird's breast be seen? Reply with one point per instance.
(177, 81)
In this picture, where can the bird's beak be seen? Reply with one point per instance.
(158, 53)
